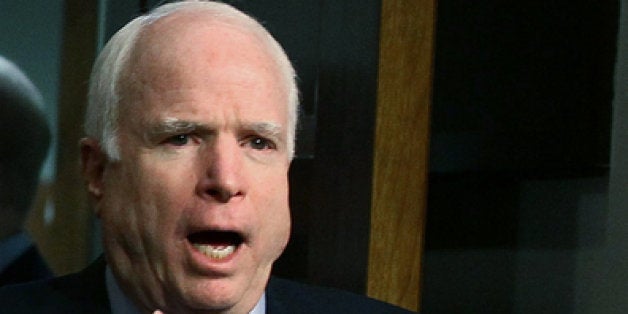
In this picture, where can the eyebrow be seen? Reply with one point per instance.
(176, 126)
(264, 128)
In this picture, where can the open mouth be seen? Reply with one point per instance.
(216, 244)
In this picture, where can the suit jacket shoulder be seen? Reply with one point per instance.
(27, 267)
(83, 292)
(284, 296)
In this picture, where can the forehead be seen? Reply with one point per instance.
(187, 56)
(190, 36)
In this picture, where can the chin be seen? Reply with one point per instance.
(213, 295)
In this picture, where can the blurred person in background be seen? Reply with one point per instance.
(24, 142)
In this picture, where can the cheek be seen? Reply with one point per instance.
(141, 207)
(123, 213)
(275, 213)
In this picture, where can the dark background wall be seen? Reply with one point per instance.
(519, 157)
(608, 269)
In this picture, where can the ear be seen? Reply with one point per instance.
(93, 162)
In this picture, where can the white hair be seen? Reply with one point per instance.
(101, 119)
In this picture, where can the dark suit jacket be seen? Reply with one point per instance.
(27, 267)
(85, 292)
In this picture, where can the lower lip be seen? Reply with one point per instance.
(212, 265)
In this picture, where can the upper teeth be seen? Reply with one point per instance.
(216, 252)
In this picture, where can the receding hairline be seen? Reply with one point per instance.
(151, 31)
(154, 39)
(104, 98)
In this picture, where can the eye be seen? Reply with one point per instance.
(260, 143)
(178, 140)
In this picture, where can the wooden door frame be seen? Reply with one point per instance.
(401, 149)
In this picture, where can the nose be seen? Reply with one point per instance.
(222, 180)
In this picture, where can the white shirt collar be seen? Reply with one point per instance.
(260, 307)
(121, 304)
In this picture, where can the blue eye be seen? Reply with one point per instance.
(260, 143)
(178, 140)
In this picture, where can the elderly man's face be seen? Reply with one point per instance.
(196, 211)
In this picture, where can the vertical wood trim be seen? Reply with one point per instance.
(65, 242)
(401, 151)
